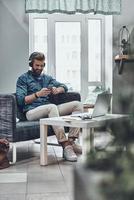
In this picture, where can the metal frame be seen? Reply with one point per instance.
(14, 152)
(13, 146)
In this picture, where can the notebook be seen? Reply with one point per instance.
(101, 107)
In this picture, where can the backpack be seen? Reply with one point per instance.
(4, 148)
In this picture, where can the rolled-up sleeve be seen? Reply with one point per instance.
(55, 83)
(21, 90)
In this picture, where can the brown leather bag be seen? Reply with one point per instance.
(4, 148)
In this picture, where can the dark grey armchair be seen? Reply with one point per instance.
(24, 130)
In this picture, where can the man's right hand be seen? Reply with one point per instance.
(43, 92)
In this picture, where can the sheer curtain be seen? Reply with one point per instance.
(107, 7)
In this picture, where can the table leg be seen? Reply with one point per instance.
(43, 144)
(87, 142)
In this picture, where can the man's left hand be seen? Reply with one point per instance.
(57, 90)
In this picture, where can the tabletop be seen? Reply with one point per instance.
(69, 121)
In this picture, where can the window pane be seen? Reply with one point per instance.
(68, 53)
(40, 36)
(94, 50)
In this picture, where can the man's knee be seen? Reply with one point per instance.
(78, 105)
(52, 107)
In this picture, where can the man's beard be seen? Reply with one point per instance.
(37, 72)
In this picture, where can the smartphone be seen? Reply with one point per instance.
(49, 87)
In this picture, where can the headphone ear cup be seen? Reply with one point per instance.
(30, 63)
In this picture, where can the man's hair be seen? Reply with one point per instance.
(36, 56)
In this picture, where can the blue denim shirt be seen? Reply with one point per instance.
(29, 83)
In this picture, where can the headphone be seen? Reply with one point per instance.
(36, 55)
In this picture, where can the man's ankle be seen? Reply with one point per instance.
(72, 140)
(64, 144)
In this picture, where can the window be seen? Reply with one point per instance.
(94, 50)
(74, 46)
(39, 36)
(68, 51)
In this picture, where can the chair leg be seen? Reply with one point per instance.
(14, 153)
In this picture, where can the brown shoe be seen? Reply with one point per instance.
(77, 148)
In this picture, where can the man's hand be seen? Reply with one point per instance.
(58, 90)
(32, 97)
(43, 92)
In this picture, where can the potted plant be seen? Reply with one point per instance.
(109, 174)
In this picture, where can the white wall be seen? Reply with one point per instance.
(123, 84)
(126, 18)
(14, 39)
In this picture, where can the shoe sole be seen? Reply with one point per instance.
(70, 159)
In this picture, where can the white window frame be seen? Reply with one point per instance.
(106, 47)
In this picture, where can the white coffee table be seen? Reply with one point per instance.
(87, 131)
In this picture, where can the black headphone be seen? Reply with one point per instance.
(36, 55)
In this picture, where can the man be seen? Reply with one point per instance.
(33, 89)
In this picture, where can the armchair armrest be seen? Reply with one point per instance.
(65, 97)
(7, 116)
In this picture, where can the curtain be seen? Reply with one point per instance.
(107, 7)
